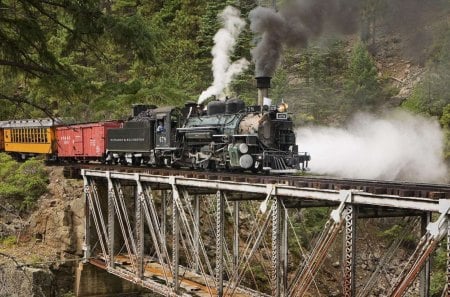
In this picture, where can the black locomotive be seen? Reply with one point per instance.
(228, 135)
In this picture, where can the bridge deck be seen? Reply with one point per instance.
(154, 278)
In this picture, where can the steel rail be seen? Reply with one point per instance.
(400, 188)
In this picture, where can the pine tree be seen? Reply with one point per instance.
(361, 83)
(61, 54)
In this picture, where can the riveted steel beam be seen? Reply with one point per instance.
(349, 249)
(425, 274)
(111, 227)
(447, 287)
(95, 211)
(282, 191)
(139, 227)
(284, 253)
(236, 235)
(220, 202)
(175, 242)
(276, 247)
(164, 196)
(303, 196)
(196, 228)
(87, 222)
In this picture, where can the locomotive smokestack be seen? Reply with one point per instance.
(263, 85)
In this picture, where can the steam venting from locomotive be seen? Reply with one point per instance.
(295, 24)
(224, 42)
(398, 146)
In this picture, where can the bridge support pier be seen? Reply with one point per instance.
(93, 281)
(349, 250)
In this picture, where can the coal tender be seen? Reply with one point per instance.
(229, 136)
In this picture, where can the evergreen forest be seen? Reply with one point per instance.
(91, 60)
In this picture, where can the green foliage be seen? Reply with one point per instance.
(432, 96)
(62, 54)
(398, 231)
(35, 260)
(8, 241)
(361, 84)
(7, 166)
(91, 60)
(445, 121)
(23, 183)
(310, 224)
(280, 84)
(320, 65)
(334, 84)
(439, 266)
(314, 219)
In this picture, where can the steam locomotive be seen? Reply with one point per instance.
(228, 136)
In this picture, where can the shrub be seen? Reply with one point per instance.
(22, 183)
(8, 241)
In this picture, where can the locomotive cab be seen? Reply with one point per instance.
(167, 120)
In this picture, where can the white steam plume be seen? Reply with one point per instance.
(224, 43)
(399, 146)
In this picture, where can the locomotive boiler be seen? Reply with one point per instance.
(229, 135)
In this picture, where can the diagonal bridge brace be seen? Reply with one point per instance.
(436, 231)
(305, 276)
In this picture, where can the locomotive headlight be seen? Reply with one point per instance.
(282, 107)
(243, 148)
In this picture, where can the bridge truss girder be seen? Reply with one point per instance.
(107, 218)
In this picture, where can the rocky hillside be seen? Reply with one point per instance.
(40, 250)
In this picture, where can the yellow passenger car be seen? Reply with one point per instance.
(30, 137)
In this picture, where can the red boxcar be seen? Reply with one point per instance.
(2, 140)
(84, 141)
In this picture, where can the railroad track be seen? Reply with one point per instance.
(405, 189)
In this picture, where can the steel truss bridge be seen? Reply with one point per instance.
(191, 236)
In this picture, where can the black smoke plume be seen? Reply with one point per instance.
(295, 24)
